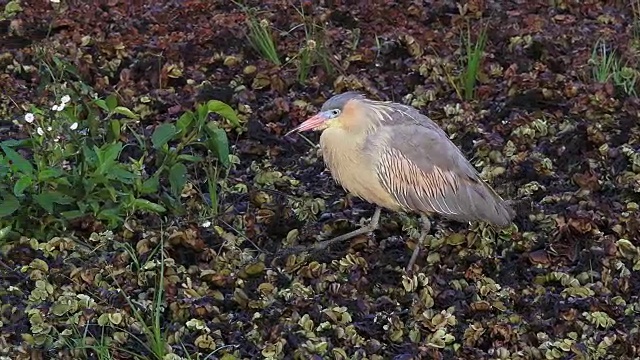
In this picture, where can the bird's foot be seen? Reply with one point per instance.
(322, 245)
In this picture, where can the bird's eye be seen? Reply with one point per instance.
(335, 112)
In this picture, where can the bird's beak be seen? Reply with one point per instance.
(311, 123)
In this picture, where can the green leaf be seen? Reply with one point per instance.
(203, 112)
(73, 214)
(223, 110)
(90, 155)
(218, 143)
(150, 185)
(13, 142)
(124, 176)
(213, 194)
(101, 104)
(4, 232)
(8, 204)
(162, 134)
(177, 178)
(190, 158)
(20, 185)
(107, 156)
(112, 216)
(112, 151)
(89, 183)
(114, 126)
(111, 102)
(106, 192)
(12, 7)
(147, 205)
(83, 206)
(49, 198)
(125, 111)
(185, 121)
(93, 205)
(61, 181)
(19, 162)
(49, 173)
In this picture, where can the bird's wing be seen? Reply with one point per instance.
(417, 163)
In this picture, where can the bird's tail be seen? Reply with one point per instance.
(491, 207)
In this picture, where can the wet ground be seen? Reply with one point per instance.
(561, 283)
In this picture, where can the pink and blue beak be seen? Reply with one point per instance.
(312, 123)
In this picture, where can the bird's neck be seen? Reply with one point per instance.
(337, 142)
(341, 138)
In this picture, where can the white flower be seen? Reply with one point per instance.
(60, 107)
(73, 126)
(28, 117)
(54, 108)
(49, 128)
(40, 131)
(65, 99)
(206, 224)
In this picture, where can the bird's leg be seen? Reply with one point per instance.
(373, 225)
(426, 227)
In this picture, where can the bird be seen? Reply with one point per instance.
(391, 155)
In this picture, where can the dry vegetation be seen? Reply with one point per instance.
(145, 183)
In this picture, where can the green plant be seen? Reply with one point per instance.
(262, 39)
(54, 71)
(604, 62)
(313, 52)
(260, 36)
(156, 336)
(150, 340)
(635, 9)
(465, 82)
(62, 175)
(627, 79)
(473, 59)
(194, 129)
(106, 343)
(62, 172)
(606, 66)
(11, 9)
(305, 59)
(87, 345)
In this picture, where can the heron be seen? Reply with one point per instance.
(391, 155)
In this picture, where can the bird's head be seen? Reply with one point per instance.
(330, 113)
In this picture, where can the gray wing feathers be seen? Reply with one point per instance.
(426, 172)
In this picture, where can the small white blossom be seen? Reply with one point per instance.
(206, 224)
(73, 126)
(49, 128)
(40, 131)
(54, 107)
(29, 118)
(65, 99)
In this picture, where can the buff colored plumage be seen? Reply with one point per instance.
(391, 155)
